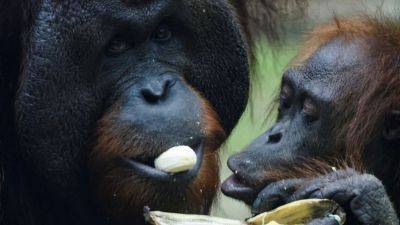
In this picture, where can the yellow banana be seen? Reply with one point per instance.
(300, 212)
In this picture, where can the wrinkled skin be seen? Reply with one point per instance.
(310, 113)
(308, 100)
(108, 80)
(363, 194)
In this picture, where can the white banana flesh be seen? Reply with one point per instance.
(176, 159)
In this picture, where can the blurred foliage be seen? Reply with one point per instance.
(266, 76)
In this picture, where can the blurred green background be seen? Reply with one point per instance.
(258, 116)
(271, 61)
(266, 77)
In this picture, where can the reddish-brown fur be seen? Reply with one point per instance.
(123, 194)
(378, 91)
(362, 120)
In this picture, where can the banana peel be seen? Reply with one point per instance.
(163, 218)
(300, 212)
(295, 213)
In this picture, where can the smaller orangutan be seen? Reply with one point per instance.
(339, 108)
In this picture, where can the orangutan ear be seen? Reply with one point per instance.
(392, 126)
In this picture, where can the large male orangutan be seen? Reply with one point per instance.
(92, 91)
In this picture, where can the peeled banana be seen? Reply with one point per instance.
(176, 159)
(296, 213)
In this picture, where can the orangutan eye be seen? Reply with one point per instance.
(162, 34)
(310, 110)
(117, 46)
(285, 99)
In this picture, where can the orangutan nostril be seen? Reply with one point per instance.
(274, 138)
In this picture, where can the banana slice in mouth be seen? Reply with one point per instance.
(179, 164)
(176, 159)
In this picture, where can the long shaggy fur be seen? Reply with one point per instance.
(362, 121)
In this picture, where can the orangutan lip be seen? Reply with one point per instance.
(152, 173)
(233, 188)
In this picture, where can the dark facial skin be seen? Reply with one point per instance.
(310, 115)
(107, 86)
(308, 99)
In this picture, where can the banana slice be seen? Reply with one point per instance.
(176, 159)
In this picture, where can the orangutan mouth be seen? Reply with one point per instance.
(147, 170)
